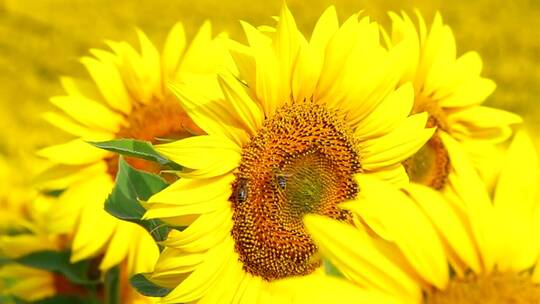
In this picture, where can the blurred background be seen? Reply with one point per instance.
(41, 40)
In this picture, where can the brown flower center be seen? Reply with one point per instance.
(430, 166)
(157, 120)
(302, 161)
(495, 288)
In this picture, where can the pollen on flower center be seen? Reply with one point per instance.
(430, 166)
(495, 288)
(302, 161)
(160, 119)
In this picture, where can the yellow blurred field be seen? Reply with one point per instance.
(41, 40)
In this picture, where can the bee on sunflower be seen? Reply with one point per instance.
(285, 137)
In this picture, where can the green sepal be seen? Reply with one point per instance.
(131, 187)
(138, 149)
(146, 287)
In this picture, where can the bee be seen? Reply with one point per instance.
(280, 178)
(241, 190)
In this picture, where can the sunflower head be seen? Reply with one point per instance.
(285, 137)
(284, 176)
(451, 90)
(128, 96)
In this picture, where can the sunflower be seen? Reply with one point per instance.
(283, 138)
(127, 99)
(451, 90)
(489, 243)
(25, 229)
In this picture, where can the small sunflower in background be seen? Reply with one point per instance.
(284, 138)
(23, 230)
(127, 97)
(28, 248)
(451, 90)
(413, 237)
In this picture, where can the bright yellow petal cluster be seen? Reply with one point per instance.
(352, 165)
(481, 236)
(128, 98)
(342, 68)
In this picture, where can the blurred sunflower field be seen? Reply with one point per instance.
(58, 246)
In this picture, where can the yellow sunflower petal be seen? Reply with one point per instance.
(240, 102)
(186, 192)
(143, 252)
(448, 224)
(404, 29)
(268, 86)
(74, 152)
(90, 238)
(394, 174)
(311, 56)
(474, 199)
(19, 245)
(109, 81)
(197, 53)
(337, 52)
(515, 200)
(196, 285)
(327, 289)
(396, 146)
(390, 112)
(174, 265)
(224, 292)
(439, 49)
(406, 225)
(29, 284)
(85, 111)
(201, 152)
(118, 247)
(205, 232)
(66, 124)
(483, 123)
(459, 76)
(206, 110)
(173, 51)
(151, 65)
(362, 263)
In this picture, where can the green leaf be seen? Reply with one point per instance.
(58, 261)
(138, 149)
(112, 286)
(133, 186)
(331, 270)
(146, 287)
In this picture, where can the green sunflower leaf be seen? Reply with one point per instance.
(138, 149)
(146, 287)
(59, 261)
(131, 187)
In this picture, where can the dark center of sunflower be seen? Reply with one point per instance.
(155, 121)
(302, 161)
(431, 164)
(495, 288)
